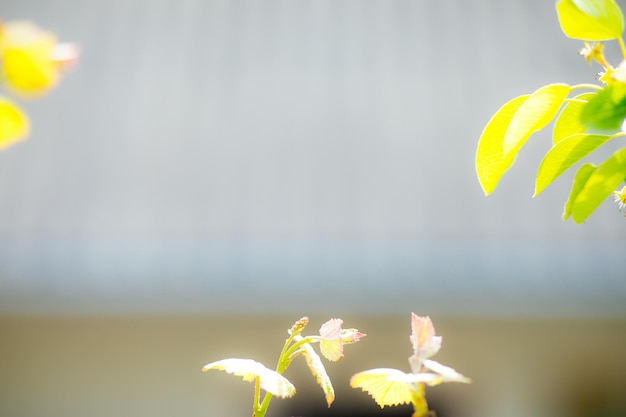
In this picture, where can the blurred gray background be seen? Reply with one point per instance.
(214, 168)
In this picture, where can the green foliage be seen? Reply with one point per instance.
(578, 120)
(590, 20)
(607, 110)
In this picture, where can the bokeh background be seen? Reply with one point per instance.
(214, 170)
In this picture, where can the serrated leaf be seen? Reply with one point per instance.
(581, 177)
(14, 125)
(590, 20)
(567, 123)
(318, 370)
(565, 154)
(598, 185)
(509, 129)
(385, 385)
(271, 381)
(491, 162)
(607, 110)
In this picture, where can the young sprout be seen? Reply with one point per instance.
(331, 339)
(394, 387)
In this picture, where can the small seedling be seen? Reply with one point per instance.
(394, 387)
(331, 339)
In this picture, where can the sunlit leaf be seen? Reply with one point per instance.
(386, 386)
(509, 129)
(271, 381)
(590, 20)
(581, 177)
(534, 114)
(607, 110)
(568, 123)
(28, 66)
(491, 162)
(318, 370)
(14, 125)
(594, 186)
(445, 373)
(565, 154)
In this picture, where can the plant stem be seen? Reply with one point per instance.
(257, 394)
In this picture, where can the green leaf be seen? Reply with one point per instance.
(509, 129)
(568, 123)
(581, 177)
(590, 20)
(534, 114)
(593, 185)
(270, 381)
(318, 370)
(565, 154)
(607, 110)
(491, 162)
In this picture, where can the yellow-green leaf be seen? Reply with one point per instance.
(509, 129)
(599, 184)
(590, 20)
(28, 66)
(568, 122)
(444, 373)
(581, 177)
(386, 386)
(271, 381)
(533, 115)
(14, 125)
(318, 370)
(491, 162)
(565, 154)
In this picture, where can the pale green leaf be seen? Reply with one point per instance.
(567, 123)
(581, 177)
(590, 20)
(565, 154)
(491, 162)
(318, 370)
(599, 185)
(445, 373)
(271, 381)
(533, 115)
(386, 386)
(509, 129)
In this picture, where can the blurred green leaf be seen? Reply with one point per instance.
(580, 179)
(565, 154)
(607, 110)
(568, 123)
(590, 20)
(593, 186)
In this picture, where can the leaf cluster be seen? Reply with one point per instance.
(583, 120)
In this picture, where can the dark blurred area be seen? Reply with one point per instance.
(214, 170)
